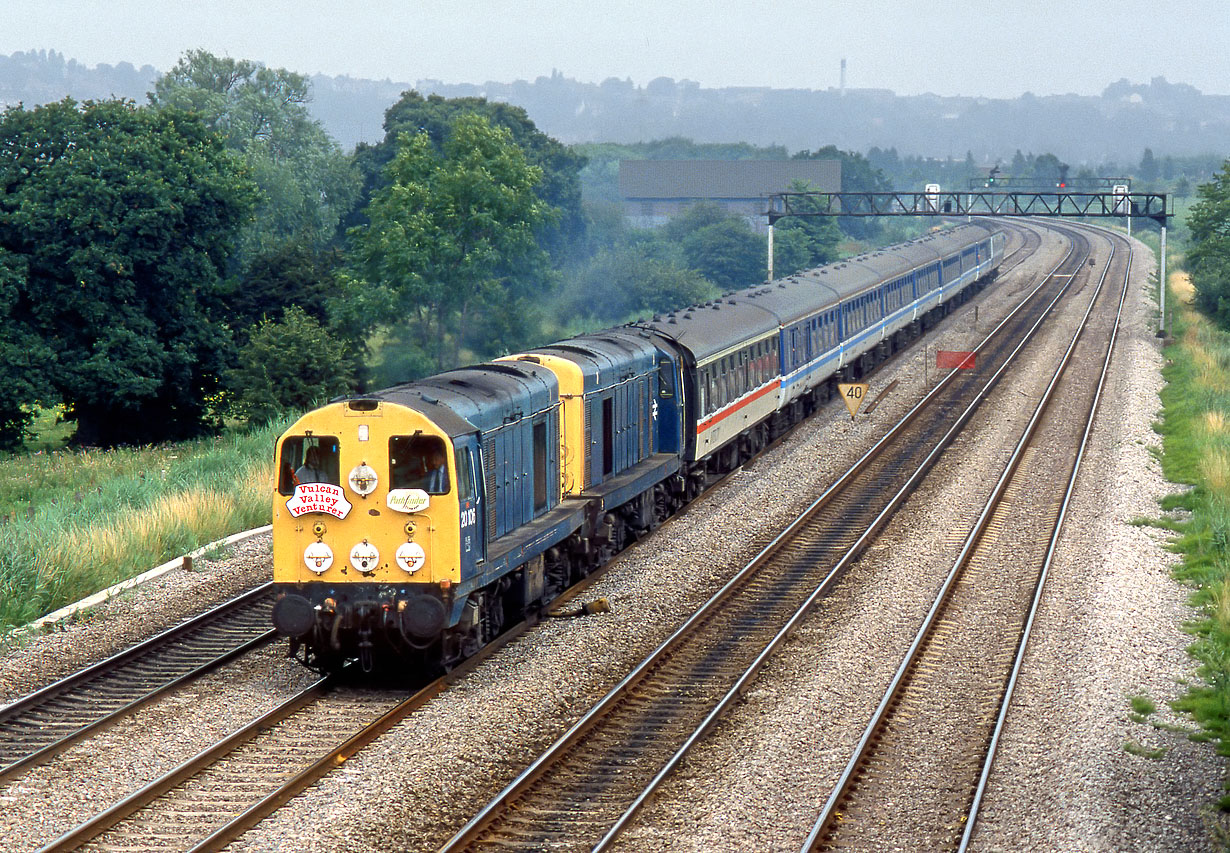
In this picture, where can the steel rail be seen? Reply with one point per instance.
(1052, 549)
(971, 541)
(233, 826)
(744, 681)
(11, 716)
(104, 820)
(490, 812)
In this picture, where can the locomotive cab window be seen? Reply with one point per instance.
(466, 489)
(418, 462)
(666, 378)
(307, 459)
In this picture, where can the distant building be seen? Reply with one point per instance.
(655, 190)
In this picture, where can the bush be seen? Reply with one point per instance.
(288, 364)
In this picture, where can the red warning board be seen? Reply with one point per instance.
(954, 360)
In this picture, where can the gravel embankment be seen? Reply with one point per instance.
(420, 782)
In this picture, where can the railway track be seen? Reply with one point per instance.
(218, 794)
(37, 727)
(146, 815)
(917, 776)
(587, 787)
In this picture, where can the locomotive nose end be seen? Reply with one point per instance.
(423, 617)
(293, 615)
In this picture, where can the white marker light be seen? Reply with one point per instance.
(365, 557)
(410, 557)
(318, 557)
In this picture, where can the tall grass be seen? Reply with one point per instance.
(75, 522)
(1195, 428)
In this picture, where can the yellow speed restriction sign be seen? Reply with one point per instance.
(853, 393)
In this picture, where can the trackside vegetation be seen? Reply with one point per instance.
(73, 522)
(1195, 427)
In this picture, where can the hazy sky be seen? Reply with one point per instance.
(998, 48)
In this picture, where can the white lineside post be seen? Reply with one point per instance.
(1161, 290)
(770, 250)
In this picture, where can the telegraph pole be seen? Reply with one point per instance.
(1161, 287)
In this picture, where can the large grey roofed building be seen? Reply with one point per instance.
(655, 190)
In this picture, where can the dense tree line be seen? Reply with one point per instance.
(213, 254)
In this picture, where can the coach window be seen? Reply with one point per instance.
(307, 459)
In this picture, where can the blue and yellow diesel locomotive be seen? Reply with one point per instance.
(412, 524)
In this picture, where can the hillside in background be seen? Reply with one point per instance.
(1116, 126)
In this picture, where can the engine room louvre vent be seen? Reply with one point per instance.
(489, 483)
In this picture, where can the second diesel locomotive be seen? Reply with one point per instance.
(412, 524)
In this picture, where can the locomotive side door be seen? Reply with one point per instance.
(472, 529)
(666, 409)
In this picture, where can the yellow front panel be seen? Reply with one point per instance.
(369, 517)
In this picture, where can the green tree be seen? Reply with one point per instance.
(115, 224)
(23, 354)
(559, 187)
(857, 175)
(628, 282)
(291, 363)
(803, 242)
(1149, 169)
(1208, 259)
(452, 237)
(719, 245)
(307, 184)
(692, 218)
(293, 273)
(728, 253)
